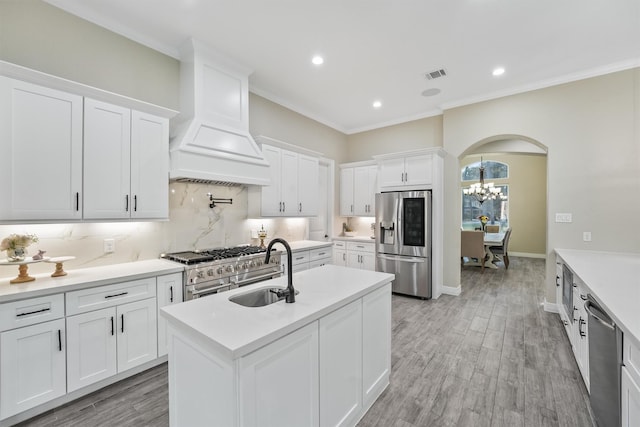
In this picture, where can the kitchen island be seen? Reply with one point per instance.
(322, 360)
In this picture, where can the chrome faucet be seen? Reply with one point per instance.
(289, 293)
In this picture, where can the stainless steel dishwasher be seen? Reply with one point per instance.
(605, 360)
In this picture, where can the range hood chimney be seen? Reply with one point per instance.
(211, 141)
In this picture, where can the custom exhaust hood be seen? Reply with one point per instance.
(210, 140)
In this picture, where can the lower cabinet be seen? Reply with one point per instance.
(104, 342)
(304, 259)
(32, 368)
(341, 366)
(361, 255)
(376, 344)
(580, 338)
(279, 382)
(630, 403)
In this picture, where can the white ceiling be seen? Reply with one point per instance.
(380, 49)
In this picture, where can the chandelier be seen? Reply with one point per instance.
(482, 191)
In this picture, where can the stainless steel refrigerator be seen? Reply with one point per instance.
(403, 240)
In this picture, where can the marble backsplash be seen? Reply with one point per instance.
(192, 225)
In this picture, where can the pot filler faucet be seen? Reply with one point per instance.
(289, 293)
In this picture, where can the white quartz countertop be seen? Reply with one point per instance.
(364, 239)
(81, 278)
(235, 330)
(614, 281)
(301, 245)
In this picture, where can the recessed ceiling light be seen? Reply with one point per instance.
(317, 60)
(377, 104)
(498, 71)
(431, 91)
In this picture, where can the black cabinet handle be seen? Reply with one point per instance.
(33, 312)
(112, 328)
(300, 207)
(170, 293)
(116, 295)
(557, 281)
(580, 323)
(59, 340)
(126, 203)
(135, 203)
(77, 201)
(122, 323)
(583, 297)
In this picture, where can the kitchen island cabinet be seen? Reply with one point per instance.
(309, 353)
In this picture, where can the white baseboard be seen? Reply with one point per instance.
(551, 307)
(527, 255)
(450, 290)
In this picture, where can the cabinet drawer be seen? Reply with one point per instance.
(300, 257)
(339, 244)
(31, 311)
(319, 262)
(316, 254)
(110, 295)
(360, 247)
(631, 357)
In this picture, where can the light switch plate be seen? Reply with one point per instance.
(586, 236)
(563, 217)
(109, 246)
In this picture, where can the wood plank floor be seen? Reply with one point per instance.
(490, 357)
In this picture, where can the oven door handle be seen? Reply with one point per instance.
(208, 290)
(256, 278)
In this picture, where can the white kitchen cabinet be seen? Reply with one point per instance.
(580, 333)
(32, 366)
(294, 185)
(361, 255)
(40, 153)
(304, 259)
(169, 292)
(279, 382)
(405, 170)
(125, 163)
(341, 366)
(104, 342)
(320, 256)
(340, 253)
(357, 189)
(376, 344)
(630, 400)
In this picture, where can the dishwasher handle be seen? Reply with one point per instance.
(596, 312)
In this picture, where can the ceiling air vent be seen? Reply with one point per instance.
(436, 74)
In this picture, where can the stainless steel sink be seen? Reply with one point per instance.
(258, 298)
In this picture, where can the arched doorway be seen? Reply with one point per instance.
(526, 185)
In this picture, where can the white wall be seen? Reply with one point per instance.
(591, 129)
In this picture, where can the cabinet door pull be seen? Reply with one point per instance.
(116, 295)
(126, 203)
(28, 313)
(344, 256)
(112, 328)
(351, 208)
(122, 323)
(59, 340)
(300, 207)
(580, 323)
(170, 293)
(583, 297)
(299, 258)
(284, 207)
(321, 253)
(135, 203)
(77, 201)
(557, 281)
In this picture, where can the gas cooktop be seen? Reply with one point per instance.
(196, 257)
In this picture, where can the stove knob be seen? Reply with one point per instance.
(219, 270)
(252, 264)
(210, 272)
(200, 274)
(230, 268)
(245, 265)
(259, 262)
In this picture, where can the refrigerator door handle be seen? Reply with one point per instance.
(401, 258)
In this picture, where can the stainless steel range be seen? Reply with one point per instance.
(216, 270)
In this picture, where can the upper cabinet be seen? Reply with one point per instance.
(294, 183)
(358, 189)
(66, 157)
(40, 153)
(125, 163)
(410, 170)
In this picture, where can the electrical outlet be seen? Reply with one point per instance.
(586, 236)
(254, 234)
(563, 217)
(109, 246)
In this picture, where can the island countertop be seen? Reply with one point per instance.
(613, 280)
(235, 330)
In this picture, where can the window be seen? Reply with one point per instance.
(497, 210)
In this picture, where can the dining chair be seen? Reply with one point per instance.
(492, 228)
(472, 246)
(502, 252)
